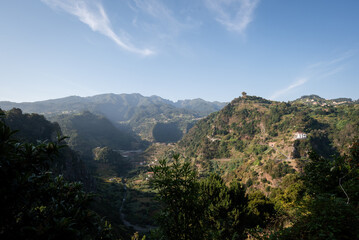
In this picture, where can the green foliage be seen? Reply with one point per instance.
(88, 131)
(206, 209)
(33, 126)
(166, 132)
(278, 170)
(224, 209)
(178, 191)
(106, 155)
(331, 211)
(251, 121)
(288, 196)
(202, 107)
(136, 236)
(327, 218)
(34, 203)
(260, 208)
(318, 176)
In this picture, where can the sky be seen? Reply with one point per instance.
(179, 49)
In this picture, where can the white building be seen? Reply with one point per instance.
(300, 135)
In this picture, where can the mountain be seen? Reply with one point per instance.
(32, 128)
(87, 131)
(116, 107)
(319, 101)
(200, 106)
(260, 141)
(131, 112)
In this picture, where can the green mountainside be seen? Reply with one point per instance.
(54, 186)
(130, 112)
(251, 163)
(255, 139)
(33, 128)
(87, 131)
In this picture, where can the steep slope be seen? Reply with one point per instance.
(148, 121)
(260, 141)
(87, 131)
(33, 128)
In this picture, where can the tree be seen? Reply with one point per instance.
(331, 211)
(177, 188)
(225, 214)
(206, 209)
(34, 203)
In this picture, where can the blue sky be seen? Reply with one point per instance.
(179, 49)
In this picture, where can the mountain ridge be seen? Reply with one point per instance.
(136, 98)
(133, 112)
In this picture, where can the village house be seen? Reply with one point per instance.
(300, 135)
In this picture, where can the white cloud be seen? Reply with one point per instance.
(295, 84)
(163, 25)
(94, 15)
(235, 15)
(163, 20)
(317, 71)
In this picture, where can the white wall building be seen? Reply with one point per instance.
(300, 135)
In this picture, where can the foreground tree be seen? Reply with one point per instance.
(331, 209)
(225, 214)
(34, 203)
(206, 209)
(177, 188)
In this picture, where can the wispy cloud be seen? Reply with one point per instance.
(295, 84)
(162, 25)
(317, 71)
(162, 20)
(235, 15)
(94, 15)
(156, 9)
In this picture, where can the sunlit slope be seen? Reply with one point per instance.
(261, 141)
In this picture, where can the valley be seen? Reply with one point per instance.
(264, 145)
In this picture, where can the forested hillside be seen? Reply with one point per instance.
(297, 163)
(87, 131)
(32, 128)
(256, 168)
(257, 139)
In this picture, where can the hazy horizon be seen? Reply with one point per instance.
(1, 100)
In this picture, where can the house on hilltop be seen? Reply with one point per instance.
(300, 135)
